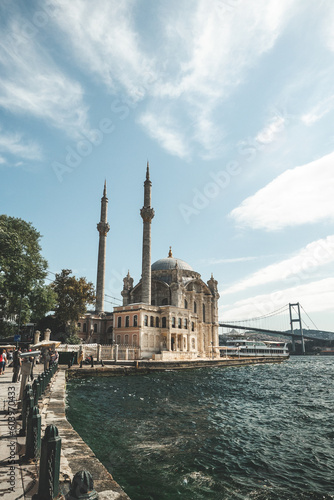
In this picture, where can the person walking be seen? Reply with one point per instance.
(1, 361)
(16, 365)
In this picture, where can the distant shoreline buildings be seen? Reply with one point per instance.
(171, 314)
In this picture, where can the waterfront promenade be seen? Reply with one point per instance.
(18, 477)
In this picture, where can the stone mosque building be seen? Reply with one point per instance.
(171, 314)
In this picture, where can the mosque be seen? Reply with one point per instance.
(171, 314)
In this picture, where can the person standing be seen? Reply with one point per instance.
(46, 358)
(25, 372)
(4, 357)
(16, 365)
(1, 361)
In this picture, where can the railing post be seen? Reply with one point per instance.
(48, 486)
(35, 388)
(33, 439)
(43, 382)
(82, 487)
(39, 386)
(27, 403)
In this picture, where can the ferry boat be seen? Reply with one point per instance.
(254, 348)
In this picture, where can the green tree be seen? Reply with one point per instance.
(73, 297)
(22, 272)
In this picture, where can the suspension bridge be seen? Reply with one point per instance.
(287, 317)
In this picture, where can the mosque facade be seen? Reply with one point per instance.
(171, 314)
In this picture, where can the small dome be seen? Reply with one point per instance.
(170, 263)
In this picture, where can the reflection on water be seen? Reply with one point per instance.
(257, 432)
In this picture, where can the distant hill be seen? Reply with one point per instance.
(322, 334)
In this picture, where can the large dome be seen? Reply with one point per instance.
(170, 263)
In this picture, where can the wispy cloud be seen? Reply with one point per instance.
(269, 133)
(166, 134)
(300, 266)
(15, 144)
(317, 296)
(31, 83)
(199, 58)
(302, 195)
(232, 260)
(105, 42)
(318, 111)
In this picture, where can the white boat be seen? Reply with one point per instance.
(254, 348)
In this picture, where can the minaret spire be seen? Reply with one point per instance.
(147, 214)
(103, 228)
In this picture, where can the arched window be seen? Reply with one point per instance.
(127, 321)
(203, 313)
(164, 322)
(145, 320)
(195, 307)
(119, 322)
(179, 322)
(173, 322)
(135, 340)
(192, 326)
(185, 323)
(185, 304)
(118, 339)
(95, 327)
(135, 320)
(157, 322)
(84, 327)
(164, 302)
(126, 340)
(151, 321)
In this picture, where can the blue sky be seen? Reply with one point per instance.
(232, 103)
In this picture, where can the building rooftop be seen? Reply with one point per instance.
(170, 263)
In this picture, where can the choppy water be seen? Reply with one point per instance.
(262, 432)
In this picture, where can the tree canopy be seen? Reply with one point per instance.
(73, 297)
(22, 272)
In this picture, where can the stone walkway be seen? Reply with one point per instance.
(18, 477)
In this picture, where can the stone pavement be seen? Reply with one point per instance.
(17, 477)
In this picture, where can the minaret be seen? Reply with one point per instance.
(103, 228)
(147, 214)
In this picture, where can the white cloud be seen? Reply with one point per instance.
(200, 55)
(271, 131)
(306, 261)
(317, 296)
(166, 135)
(232, 260)
(31, 83)
(302, 195)
(105, 42)
(318, 111)
(16, 145)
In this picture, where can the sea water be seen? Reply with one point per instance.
(262, 432)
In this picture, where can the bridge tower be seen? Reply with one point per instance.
(295, 317)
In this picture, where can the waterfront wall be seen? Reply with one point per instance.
(75, 453)
(143, 367)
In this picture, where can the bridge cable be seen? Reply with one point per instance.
(273, 313)
(310, 319)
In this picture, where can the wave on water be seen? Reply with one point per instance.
(260, 432)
